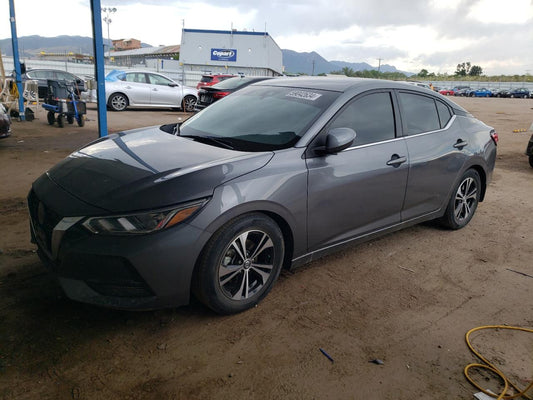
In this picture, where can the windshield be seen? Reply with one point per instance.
(260, 118)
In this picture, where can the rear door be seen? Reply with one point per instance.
(135, 86)
(361, 189)
(438, 149)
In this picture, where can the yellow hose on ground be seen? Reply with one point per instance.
(492, 368)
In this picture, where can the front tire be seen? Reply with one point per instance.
(240, 264)
(50, 116)
(118, 102)
(531, 160)
(463, 203)
(188, 103)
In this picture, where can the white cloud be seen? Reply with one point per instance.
(409, 34)
(501, 11)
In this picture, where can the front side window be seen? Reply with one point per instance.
(419, 113)
(159, 80)
(370, 116)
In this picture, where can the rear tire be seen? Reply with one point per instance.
(463, 203)
(240, 264)
(81, 121)
(531, 160)
(70, 119)
(118, 102)
(60, 121)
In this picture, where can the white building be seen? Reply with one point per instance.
(230, 52)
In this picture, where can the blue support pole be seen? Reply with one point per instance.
(98, 46)
(14, 41)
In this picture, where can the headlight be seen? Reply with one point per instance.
(145, 222)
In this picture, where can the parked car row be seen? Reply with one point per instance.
(484, 92)
(209, 94)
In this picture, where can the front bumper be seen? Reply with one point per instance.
(126, 272)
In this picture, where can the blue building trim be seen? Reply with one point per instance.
(227, 32)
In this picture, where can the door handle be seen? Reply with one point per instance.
(460, 144)
(396, 160)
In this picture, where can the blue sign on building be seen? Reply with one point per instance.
(223, 55)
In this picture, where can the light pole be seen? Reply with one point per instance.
(108, 20)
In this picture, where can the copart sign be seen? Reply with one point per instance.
(223, 55)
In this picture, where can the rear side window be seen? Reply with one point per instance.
(371, 117)
(138, 77)
(444, 113)
(206, 79)
(419, 113)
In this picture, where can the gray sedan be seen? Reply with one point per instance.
(271, 177)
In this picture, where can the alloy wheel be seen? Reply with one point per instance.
(465, 199)
(246, 265)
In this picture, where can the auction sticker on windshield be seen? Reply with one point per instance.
(302, 94)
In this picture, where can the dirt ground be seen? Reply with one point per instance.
(406, 299)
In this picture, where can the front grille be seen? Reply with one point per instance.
(43, 220)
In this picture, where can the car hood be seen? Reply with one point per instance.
(148, 168)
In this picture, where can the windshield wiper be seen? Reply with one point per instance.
(210, 139)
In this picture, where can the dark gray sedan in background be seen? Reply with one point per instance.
(273, 176)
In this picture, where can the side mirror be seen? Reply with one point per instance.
(339, 139)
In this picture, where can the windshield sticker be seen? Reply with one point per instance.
(302, 94)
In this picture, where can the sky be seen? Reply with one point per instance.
(411, 35)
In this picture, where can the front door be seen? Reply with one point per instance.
(361, 189)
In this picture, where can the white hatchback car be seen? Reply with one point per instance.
(146, 89)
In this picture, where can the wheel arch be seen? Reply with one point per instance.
(483, 177)
(231, 215)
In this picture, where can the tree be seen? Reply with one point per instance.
(475, 70)
(348, 71)
(423, 73)
(463, 69)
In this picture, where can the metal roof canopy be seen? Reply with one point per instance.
(98, 47)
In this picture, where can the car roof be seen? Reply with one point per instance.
(213, 75)
(49, 70)
(343, 85)
(351, 86)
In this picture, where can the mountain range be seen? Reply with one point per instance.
(313, 64)
(308, 63)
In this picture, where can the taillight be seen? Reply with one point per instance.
(219, 95)
(494, 137)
